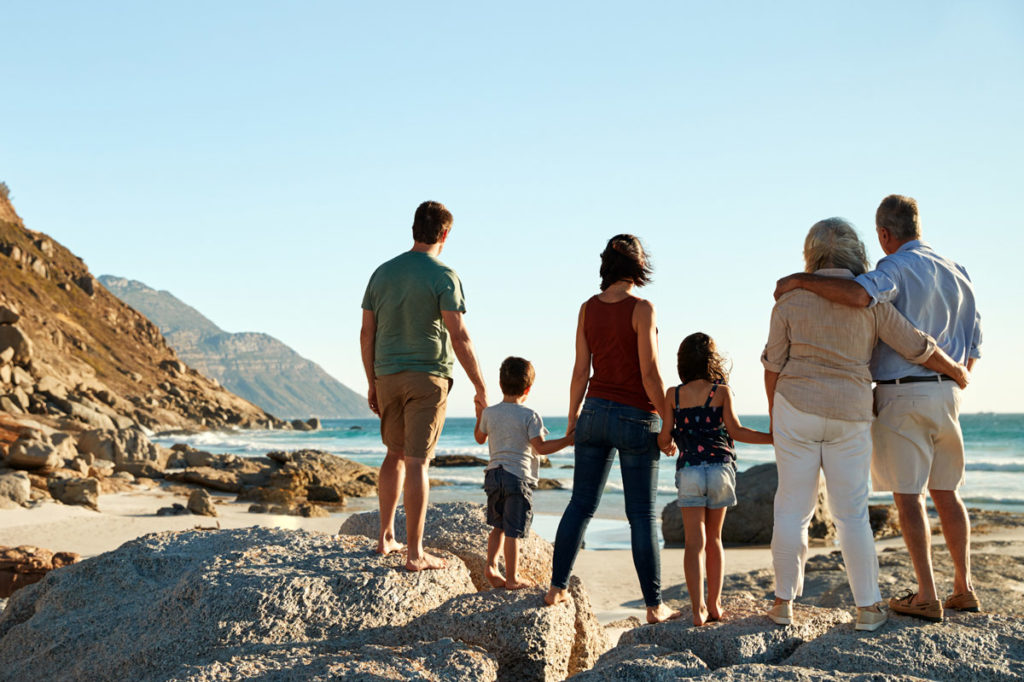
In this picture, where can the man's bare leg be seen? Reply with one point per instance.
(417, 488)
(389, 486)
(918, 539)
(495, 541)
(956, 528)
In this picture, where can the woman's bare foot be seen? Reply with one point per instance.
(494, 577)
(661, 613)
(517, 584)
(556, 595)
(700, 616)
(714, 613)
(389, 546)
(425, 562)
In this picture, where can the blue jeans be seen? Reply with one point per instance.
(604, 427)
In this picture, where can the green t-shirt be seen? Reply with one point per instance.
(406, 296)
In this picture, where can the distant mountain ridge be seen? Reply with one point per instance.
(254, 365)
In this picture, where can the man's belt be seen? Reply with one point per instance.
(915, 380)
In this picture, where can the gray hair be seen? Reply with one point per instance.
(833, 243)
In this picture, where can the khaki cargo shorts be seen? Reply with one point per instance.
(412, 407)
(917, 440)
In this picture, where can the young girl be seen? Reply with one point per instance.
(704, 427)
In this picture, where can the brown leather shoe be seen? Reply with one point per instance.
(963, 601)
(929, 610)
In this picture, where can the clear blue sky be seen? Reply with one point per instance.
(259, 159)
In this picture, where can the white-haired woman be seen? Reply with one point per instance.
(819, 395)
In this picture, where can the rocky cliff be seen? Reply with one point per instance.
(256, 366)
(72, 353)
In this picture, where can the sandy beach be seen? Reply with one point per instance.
(608, 574)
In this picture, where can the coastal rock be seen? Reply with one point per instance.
(24, 565)
(458, 461)
(176, 509)
(8, 316)
(12, 337)
(201, 502)
(172, 603)
(461, 528)
(80, 491)
(750, 521)
(15, 489)
(129, 449)
(549, 484)
(208, 477)
(307, 510)
(32, 451)
(324, 477)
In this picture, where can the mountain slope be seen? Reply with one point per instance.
(85, 356)
(256, 366)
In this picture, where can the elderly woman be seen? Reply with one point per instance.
(819, 395)
(617, 336)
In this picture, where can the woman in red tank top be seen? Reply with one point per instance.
(616, 336)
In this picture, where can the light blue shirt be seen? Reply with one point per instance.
(935, 295)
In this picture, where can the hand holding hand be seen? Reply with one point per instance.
(480, 401)
(666, 445)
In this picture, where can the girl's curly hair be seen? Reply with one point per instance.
(698, 358)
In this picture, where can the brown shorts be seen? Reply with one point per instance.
(412, 407)
(917, 440)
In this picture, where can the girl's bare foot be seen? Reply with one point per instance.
(700, 616)
(556, 595)
(661, 613)
(517, 584)
(494, 577)
(388, 546)
(425, 562)
(714, 613)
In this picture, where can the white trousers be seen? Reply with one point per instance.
(804, 444)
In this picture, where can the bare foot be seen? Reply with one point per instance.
(700, 616)
(661, 613)
(714, 613)
(494, 577)
(517, 584)
(389, 546)
(556, 595)
(425, 562)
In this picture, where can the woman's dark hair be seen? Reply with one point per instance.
(698, 358)
(624, 258)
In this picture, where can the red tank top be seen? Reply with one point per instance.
(608, 328)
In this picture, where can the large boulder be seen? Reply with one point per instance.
(15, 489)
(12, 337)
(750, 521)
(324, 477)
(24, 565)
(129, 449)
(33, 451)
(8, 315)
(76, 490)
(168, 605)
(201, 502)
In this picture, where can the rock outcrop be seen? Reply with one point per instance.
(15, 489)
(129, 449)
(24, 565)
(255, 366)
(750, 521)
(820, 645)
(204, 605)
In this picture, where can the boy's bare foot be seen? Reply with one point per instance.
(517, 584)
(425, 562)
(661, 613)
(494, 577)
(389, 546)
(556, 595)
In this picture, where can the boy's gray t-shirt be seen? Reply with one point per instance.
(509, 428)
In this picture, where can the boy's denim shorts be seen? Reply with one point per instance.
(509, 502)
(707, 485)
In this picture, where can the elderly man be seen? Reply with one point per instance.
(917, 440)
(412, 323)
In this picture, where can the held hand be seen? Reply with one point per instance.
(480, 400)
(786, 284)
(479, 410)
(371, 399)
(666, 445)
(570, 436)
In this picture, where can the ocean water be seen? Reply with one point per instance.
(994, 445)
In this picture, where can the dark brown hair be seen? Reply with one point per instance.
(430, 222)
(515, 376)
(698, 358)
(624, 258)
(898, 214)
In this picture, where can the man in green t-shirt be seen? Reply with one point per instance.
(412, 332)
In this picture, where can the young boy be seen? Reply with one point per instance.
(516, 443)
